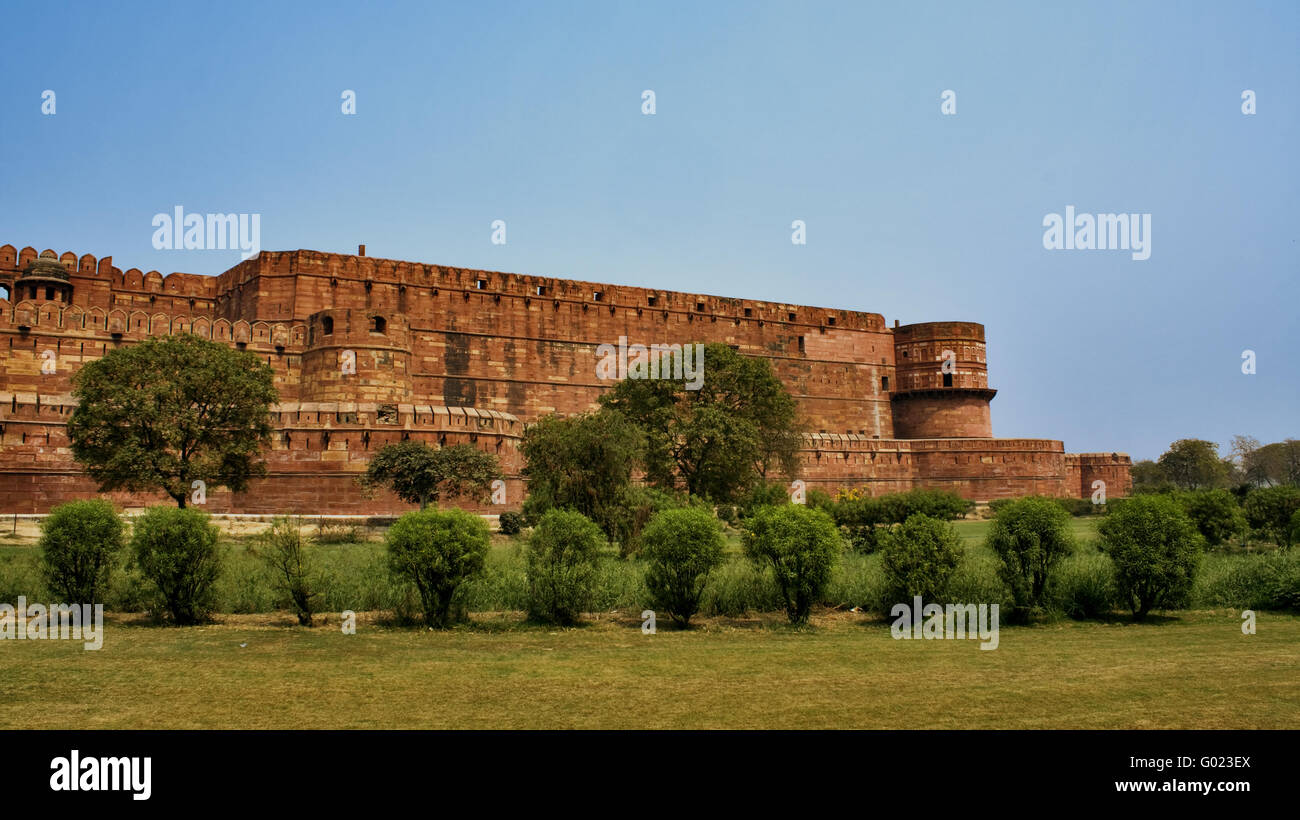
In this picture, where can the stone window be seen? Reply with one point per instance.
(540, 290)
(650, 300)
(830, 320)
(947, 380)
(378, 324)
(801, 347)
(327, 326)
(699, 307)
(884, 382)
(749, 312)
(4, 293)
(480, 284)
(598, 296)
(791, 316)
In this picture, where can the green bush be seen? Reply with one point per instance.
(1264, 581)
(1269, 511)
(761, 495)
(820, 500)
(681, 547)
(562, 561)
(512, 523)
(801, 546)
(286, 555)
(1029, 536)
(637, 506)
(1215, 513)
(176, 551)
(1155, 548)
(438, 551)
(919, 557)
(80, 544)
(1083, 585)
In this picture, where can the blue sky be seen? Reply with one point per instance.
(765, 113)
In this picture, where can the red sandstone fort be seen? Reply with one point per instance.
(448, 355)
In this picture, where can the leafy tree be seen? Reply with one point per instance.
(1193, 464)
(419, 473)
(176, 550)
(583, 463)
(718, 440)
(285, 553)
(80, 543)
(1155, 547)
(919, 557)
(1274, 464)
(166, 412)
(1216, 514)
(438, 552)
(1149, 476)
(1030, 536)
(681, 547)
(1269, 510)
(802, 546)
(561, 563)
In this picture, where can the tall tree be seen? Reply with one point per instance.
(718, 440)
(582, 463)
(419, 473)
(1193, 464)
(170, 411)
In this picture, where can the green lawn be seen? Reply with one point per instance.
(1196, 670)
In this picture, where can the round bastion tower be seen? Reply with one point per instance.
(360, 356)
(943, 382)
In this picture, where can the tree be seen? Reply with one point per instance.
(583, 463)
(1215, 513)
(718, 440)
(80, 543)
(438, 552)
(919, 557)
(801, 546)
(176, 549)
(1030, 536)
(167, 412)
(1148, 476)
(284, 552)
(1155, 547)
(1193, 464)
(561, 563)
(421, 474)
(1269, 511)
(681, 548)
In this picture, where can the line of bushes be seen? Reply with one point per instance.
(437, 566)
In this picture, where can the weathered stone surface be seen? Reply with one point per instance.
(448, 355)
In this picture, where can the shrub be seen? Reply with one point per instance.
(1269, 510)
(1155, 548)
(512, 523)
(1029, 536)
(293, 574)
(681, 547)
(561, 559)
(919, 557)
(1215, 514)
(636, 506)
(176, 551)
(801, 546)
(820, 500)
(1083, 585)
(438, 551)
(763, 494)
(79, 546)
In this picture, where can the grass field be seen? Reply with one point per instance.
(1194, 671)
(747, 669)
